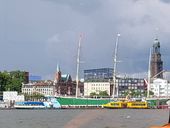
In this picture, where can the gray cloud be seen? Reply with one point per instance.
(36, 35)
(165, 1)
(81, 6)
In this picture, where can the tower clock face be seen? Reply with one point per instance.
(159, 56)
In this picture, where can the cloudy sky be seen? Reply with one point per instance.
(36, 35)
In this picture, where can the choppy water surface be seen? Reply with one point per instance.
(79, 118)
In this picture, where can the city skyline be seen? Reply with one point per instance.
(35, 36)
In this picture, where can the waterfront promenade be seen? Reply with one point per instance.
(83, 118)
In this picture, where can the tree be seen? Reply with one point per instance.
(15, 85)
(93, 94)
(133, 93)
(103, 93)
(150, 93)
(5, 80)
(17, 80)
(11, 81)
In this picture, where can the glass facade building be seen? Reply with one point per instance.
(35, 78)
(100, 74)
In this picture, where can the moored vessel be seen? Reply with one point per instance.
(29, 105)
(127, 104)
(115, 104)
(137, 104)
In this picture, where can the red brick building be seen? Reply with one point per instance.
(64, 86)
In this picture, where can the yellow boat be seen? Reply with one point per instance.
(127, 104)
(137, 104)
(115, 104)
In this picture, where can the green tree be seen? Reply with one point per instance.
(150, 93)
(14, 85)
(93, 94)
(11, 81)
(103, 93)
(17, 78)
(125, 93)
(5, 80)
(138, 94)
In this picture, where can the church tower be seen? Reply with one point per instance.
(58, 75)
(57, 81)
(156, 62)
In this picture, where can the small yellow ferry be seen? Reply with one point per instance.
(127, 104)
(115, 104)
(137, 104)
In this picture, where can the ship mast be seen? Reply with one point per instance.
(78, 65)
(149, 74)
(115, 65)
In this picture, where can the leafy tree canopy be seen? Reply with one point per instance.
(101, 94)
(12, 81)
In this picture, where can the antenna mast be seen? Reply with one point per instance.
(78, 65)
(114, 65)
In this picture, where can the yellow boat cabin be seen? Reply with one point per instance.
(137, 104)
(115, 104)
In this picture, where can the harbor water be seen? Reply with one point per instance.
(83, 118)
